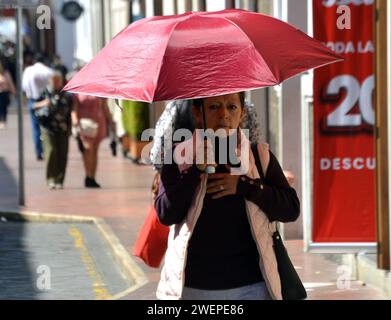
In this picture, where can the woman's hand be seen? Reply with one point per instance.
(75, 113)
(222, 184)
(290, 177)
(75, 131)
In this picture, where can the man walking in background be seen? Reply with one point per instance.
(35, 79)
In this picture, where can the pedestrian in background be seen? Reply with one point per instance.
(34, 81)
(7, 88)
(54, 114)
(58, 64)
(90, 119)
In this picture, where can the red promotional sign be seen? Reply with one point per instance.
(7, 12)
(344, 149)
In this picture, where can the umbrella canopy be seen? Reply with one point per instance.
(199, 54)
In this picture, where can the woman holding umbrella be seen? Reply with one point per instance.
(221, 247)
(213, 251)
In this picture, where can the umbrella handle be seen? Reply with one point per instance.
(209, 169)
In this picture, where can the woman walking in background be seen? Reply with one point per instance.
(6, 89)
(53, 112)
(91, 118)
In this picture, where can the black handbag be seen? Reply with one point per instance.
(291, 286)
(44, 116)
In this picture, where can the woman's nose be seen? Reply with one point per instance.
(223, 112)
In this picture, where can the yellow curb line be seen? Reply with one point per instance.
(98, 286)
(129, 266)
(123, 258)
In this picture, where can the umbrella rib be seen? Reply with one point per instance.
(252, 44)
(164, 54)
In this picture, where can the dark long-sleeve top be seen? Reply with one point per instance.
(222, 252)
(273, 195)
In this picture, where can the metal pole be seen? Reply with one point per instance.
(131, 11)
(157, 8)
(188, 6)
(19, 70)
(381, 136)
(202, 5)
(229, 4)
(103, 22)
(143, 9)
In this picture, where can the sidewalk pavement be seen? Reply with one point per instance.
(123, 202)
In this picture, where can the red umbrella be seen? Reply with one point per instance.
(199, 54)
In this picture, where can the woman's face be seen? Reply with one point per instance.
(222, 112)
(56, 82)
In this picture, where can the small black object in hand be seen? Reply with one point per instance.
(80, 144)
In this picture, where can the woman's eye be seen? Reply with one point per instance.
(213, 106)
(233, 107)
